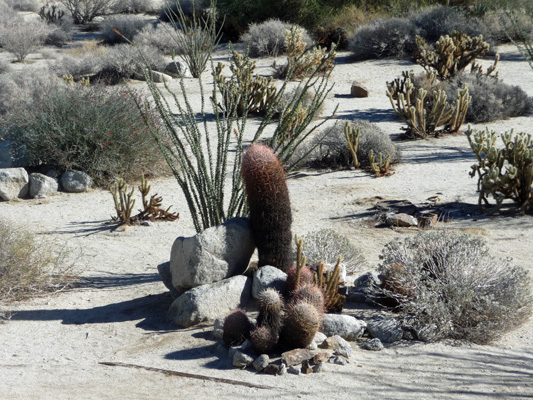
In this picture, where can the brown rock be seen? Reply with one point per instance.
(320, 357)
(426, 221)
(358, 90)
(306, 368)
(272, 369)
(296, 356)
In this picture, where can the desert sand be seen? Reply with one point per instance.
(52, 346)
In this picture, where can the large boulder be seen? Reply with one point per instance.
(212, 255)
(346, 326)
(268, 277)
(13, 183)
(42, 185)
(208, 302)
(75, 181)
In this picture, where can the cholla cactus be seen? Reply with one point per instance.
(452, 54)
(505, 173)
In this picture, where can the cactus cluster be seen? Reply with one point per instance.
(503, 173)
(452, 54)
(124, 203)
(269, 205)
(243, 92)
(425, 111)
(52, 13)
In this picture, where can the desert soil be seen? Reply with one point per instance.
(52, 346)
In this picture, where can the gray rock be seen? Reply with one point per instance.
(372, 344)
(157, 77)
(295, 370)
(401, 220)
(312, 346)
(339, 346)
(268, 277)
(365, 288)
(319, 338)
(166, 277)
(75, 181)
(212, 255)
(427, 333)
(358, 90)
(13, 183)
(246, 346)
(242, 360)
(386, 329)
(282, 369)
(261, 362)
(208, 302)
(346, 326)
(42, 185)
(338, 360)
(318, 368)
(178, 68)
(218, 328)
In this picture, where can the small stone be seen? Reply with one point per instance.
(427, 333)
(373, 345)
(261, 362)
(147, 223)
(272, 369)
(312, 346)
(426, 221)
(340, 346)
(282, 369)
(318, 368)
(246, 345)
(358, 90)
(242, 360)
(401, 220)
(319, 338)
(338, 360)
(295, 370)
(320, 357)
(306, 368)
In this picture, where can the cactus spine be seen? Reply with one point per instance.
(269, 204)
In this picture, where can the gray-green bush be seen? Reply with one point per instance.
(84, 11)
(332, 149)
(161, 36)
(127, 25)
(267, 39)
(95, 129)
(21, 37)
(327, 245)
(450, 280)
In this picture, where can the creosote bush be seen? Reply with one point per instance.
(84, 11)
(21, 37)
(95, 129)
(449, 280)
(160, 36)
(28, 266)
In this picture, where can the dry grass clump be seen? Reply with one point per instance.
(29, 267)
(449, 280)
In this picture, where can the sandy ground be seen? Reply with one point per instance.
(52, 346)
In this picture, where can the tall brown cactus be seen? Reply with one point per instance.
(269, 204)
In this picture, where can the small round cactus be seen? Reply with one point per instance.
(311, 294)
(270, 309)
(306, 278)
(264, 339)
(301, 325)
(236, 328)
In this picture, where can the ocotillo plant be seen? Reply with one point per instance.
(269, 205)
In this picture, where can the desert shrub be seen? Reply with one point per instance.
(162, 36)
(59, 36)
(95, 129)
(267, 39)
(326, 245)
(28, 266)
(4, 67)
(504, 174)
(332, 149)
(450, 280)
(127, 25)
(21, 37)
(492, 99)
(189, 7)
(434, 22)
(109, 65)
(137, 6)
(383, 38)
(59, 20)
(6, 13)
(84, 11)
(24, 5)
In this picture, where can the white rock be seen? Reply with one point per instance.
(42, 185)
(13, 183)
